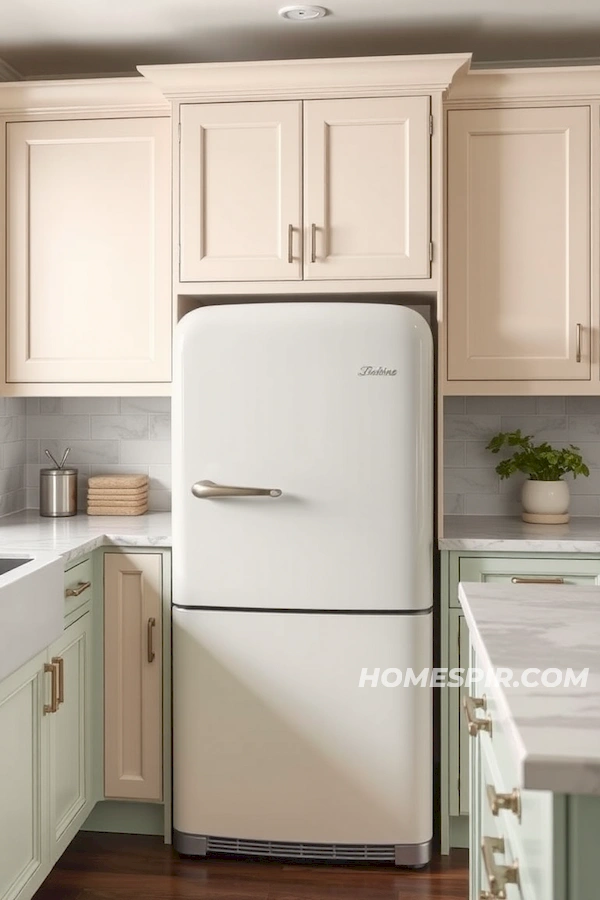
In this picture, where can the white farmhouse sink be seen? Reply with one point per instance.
(31, 606)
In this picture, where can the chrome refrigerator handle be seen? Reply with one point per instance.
(208, 490)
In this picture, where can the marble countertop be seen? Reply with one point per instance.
(504, 533)
(70, 537)
(554, 732)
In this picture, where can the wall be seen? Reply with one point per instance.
(471, 486)
(107, 435)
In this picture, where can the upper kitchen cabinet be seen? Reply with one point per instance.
(366, 188)
(88, 254)
(518, 249)
(240, 206)
(243, 183)
(308, 176)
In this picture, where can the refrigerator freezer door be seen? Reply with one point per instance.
(329, 403)
(274, 740)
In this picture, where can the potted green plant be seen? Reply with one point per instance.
(545, 496)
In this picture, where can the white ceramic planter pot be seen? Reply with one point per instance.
(545, 498)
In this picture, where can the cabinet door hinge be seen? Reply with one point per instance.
(430, 251)
(430, 124)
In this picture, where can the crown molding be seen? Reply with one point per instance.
(8, 72)
(526, 84)
(97, 96)
(308, 78)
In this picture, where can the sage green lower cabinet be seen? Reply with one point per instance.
(71, 749)
(24, 854)
(45, 759)
(458, 566)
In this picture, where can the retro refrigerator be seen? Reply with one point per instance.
(302, 582)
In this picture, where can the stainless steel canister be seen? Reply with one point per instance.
(58, 492)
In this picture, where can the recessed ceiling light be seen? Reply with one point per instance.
(298, 13)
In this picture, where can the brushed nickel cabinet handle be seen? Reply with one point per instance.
(516, 580)
(498, 876)
(290, 243)
(208, 490)
(53, 705)
(511, 802)
(475, 725)
(60, 663)
(81, 587)
(578, 342)
(149, 635)
(313, 243)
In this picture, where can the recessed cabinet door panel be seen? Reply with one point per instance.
(22, 843)
(133, 676)
(240, 214)
(519, 244)
(88, 251)
(70, 737)
(366, 188)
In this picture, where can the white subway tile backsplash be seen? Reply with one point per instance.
(91, 406)
(82, 452)
(160, 478)
(51, 406)
(156, 453)
(551, 406)
(120, 428)
(454, 453)
(107, 435)
(500, 406)
(470, 428)
(58, 427)
(133, 405)
(159, 427)
(472, 421)
(470, 481)
(547, 428)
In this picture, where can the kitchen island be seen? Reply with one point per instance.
(535, 748)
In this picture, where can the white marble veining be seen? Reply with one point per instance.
(70, 537)
(555, 730)
(510, 533)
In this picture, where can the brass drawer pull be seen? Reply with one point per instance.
(290, 244)
(516, 580)
(498, 876)
(53, 705)
(474, 724)
(150, 633)
(511, 801)
(578, 342)
(81, 587)
(60, 663)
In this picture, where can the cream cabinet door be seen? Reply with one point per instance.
(23, 847)
(240, 191)
(89, 251)
(519, 244)
(366, 188)
(70, 735)
(133, 732)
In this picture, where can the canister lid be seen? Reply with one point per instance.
(56, 473)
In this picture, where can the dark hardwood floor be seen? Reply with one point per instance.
(124, 867)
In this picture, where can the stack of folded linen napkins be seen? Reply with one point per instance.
(117, 495)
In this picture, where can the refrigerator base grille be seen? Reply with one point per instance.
(415, 855)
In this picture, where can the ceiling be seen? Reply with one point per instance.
(69, 37)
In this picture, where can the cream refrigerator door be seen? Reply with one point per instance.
(330, 403)
(274, 739)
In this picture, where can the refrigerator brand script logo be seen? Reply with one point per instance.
(376, 370)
